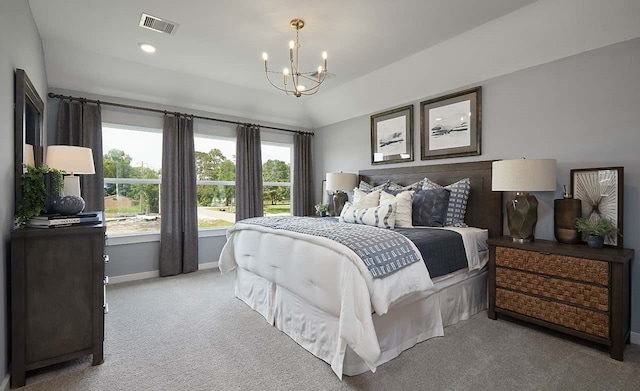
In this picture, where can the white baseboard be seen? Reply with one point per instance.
(5, 386)
(635, 338)
(153, 274)
(208, 265)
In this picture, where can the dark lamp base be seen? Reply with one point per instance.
(522, 217)
(339, 199)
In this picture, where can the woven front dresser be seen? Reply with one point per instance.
(570, 288)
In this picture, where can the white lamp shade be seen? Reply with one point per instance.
(341, 181)
(72, 160)
(29, 158)
(524, 175)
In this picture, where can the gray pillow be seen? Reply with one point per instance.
(457, 201)
(429, 207)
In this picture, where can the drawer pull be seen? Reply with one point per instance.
(544, 253)
(106, 258)
(106, 280)
(106, 308)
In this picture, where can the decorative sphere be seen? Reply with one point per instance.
(68, 205)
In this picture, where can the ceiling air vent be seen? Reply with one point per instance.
(157, 24)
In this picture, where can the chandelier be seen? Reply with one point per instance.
(296, 82)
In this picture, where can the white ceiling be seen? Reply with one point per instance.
(384, 53)
(214, 61)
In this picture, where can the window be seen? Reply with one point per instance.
(276, 176)
(132, 166)
(216, 175)
(132, 172)
(216, 180)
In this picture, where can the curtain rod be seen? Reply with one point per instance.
(141, 108)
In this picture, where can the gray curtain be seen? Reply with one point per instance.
(178, 201)
(249, 195)
(80, 124)
(303, 175)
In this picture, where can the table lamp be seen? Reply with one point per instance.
(339, 182)
(522, 176)
(72, 160)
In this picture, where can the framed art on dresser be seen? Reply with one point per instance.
(392, 136)
(450, 125)
(601, 193)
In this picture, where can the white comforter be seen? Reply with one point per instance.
(330, 276)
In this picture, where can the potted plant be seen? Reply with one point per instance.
(38, 184)
(596, 230)
(322, 209)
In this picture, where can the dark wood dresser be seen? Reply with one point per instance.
(570, 288)
(57, 296)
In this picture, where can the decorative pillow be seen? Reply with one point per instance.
(394, 187)
(403, 206)
(430, 207)
(381, 216)
(367, 188)
(457, 200)
(363, 199)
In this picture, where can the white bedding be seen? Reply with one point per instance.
(329, 276)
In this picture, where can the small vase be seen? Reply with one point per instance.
(595, 241)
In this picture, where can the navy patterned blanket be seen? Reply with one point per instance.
(383, 251)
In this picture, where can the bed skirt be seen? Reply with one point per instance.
(401, 328)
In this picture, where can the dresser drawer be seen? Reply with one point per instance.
(592, 296)
(580, 269)
(586, 321)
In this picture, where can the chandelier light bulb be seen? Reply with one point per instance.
(300, 87)
(324, 55)
(264, 56)
(285, 71)
(291, 44)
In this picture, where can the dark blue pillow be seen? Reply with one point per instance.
(429, 207)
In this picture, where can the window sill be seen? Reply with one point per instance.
(150, 237)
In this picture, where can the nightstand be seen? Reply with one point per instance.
(570, 288)
(58, 301)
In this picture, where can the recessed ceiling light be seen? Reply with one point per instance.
(145, 47)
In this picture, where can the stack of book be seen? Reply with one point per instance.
(56, 220)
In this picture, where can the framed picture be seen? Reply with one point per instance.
(450, 125)
(392, 136)
(601, 193)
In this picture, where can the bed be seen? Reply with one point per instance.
(314, 291)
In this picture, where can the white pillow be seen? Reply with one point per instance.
(381, 216)
(403, 207)
(363, 199)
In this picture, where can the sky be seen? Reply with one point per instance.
(146, 147)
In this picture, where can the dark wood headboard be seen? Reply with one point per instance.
(484, 209)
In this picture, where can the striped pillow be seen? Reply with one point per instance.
(381, 216)
(367, 188)
(403, 207)
(395, 188)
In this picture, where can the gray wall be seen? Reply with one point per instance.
(20, 47)
(143, 257)
(581, 110)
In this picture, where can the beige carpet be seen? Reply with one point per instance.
(190, 333)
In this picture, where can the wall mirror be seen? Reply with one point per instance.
(29, 136)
